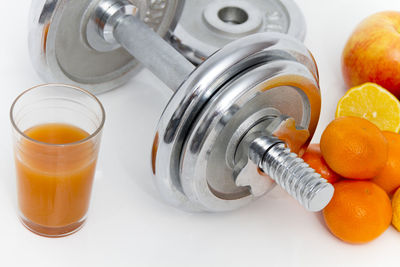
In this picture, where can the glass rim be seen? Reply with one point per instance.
(94, 134)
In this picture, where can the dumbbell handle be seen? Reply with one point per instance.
(148, 47)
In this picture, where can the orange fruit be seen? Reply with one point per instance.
(372, 102)
(389, 178)
(396, 210)
(359, 211)
(313, 157)
(354, 148)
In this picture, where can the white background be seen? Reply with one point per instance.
(129, 225)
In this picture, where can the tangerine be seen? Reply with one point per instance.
(396, 210)
(359, 211)
(354, 148)
(313, 157)
(389, 178)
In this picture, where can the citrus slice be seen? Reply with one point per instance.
(374, 103)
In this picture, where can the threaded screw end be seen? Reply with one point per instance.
(296, 177)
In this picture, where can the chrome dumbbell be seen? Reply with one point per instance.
(240, 114)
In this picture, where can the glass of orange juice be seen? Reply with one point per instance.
(56, 135)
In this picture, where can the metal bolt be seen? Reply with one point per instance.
(291, 172)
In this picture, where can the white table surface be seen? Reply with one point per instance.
(128, 223)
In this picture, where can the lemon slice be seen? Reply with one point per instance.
(374, 103)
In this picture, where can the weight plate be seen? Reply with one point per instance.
(206, 175)
(207, 25)
(60, 53)
(178, 118)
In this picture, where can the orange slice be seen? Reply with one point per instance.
(374, 103)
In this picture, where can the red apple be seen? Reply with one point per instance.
(372, 53)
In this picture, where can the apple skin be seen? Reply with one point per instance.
(372, 53)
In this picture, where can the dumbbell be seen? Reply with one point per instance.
(235, 124)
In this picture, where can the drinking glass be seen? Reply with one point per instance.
(56, 136)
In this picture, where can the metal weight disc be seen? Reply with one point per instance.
(198, 91)
(207, 25)
(60, 52)
(207, 163)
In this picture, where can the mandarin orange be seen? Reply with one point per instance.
(389, 178)
(359, 211)
(313, 157)
(354, 148)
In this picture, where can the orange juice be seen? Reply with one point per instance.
(54, 177)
